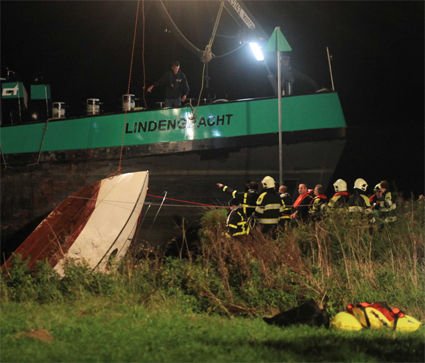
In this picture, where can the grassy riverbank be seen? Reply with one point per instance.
(108, 330)
(206, 303)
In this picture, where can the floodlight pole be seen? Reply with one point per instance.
(279, 118)
(277, 43)
(330, 68)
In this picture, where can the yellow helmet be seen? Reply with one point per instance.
(361, 184)
(340, 185)
(268, 182)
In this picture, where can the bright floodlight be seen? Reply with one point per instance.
(257, 51)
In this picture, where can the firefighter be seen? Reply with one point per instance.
(236, 222)
(286, 208)
(341, 196)
(267, 211)
(359, 201)
(382, 202)
(319, 203)
(302, 204)
(246, 199)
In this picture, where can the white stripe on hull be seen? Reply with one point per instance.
(112, 225)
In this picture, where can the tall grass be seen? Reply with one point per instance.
(341, 258)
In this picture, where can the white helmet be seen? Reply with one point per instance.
(377, 187)
(268, 182)
(361, 184)
(340, 185)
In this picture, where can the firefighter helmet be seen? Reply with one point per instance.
(361, 184)
(340, 185)
(377, 187)
(268, 182)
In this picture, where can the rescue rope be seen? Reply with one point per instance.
(191, 203)
(143, 55)
(43, 136)
(3, 158)
(159, 209)
(46, 124)
(130, 72)
(188, 43)
(182, 201)
(207, 54)
(230, 51)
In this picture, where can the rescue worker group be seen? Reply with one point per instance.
(273, 207)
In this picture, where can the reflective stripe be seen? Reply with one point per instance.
(366, 200)
(268, 220)
(259, 210)
(260, 198)
(272, 206)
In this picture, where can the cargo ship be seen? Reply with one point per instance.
(186, 151)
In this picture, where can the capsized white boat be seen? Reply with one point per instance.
(94, 225)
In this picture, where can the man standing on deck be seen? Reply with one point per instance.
(176, 86)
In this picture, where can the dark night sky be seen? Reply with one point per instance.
(83, 49)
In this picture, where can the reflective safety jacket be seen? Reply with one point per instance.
(247, 200)
(384, 203)
(319, 203)
(339, 200)
(359, 202)
(384, 207)
(236, 223)
(286, 207)
(268, 207)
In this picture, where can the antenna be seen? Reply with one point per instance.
(330, 68)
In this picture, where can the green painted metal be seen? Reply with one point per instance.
(12, 90)
(277, 42)
(250, 117)
(40, 92)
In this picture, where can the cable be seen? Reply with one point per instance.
(231, 51)
(130, 72)
(207, 54)
(186, 41)
(143, 55)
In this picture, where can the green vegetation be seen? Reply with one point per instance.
(107, 330)
(207, 306)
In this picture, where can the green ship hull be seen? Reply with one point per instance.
(186, 150)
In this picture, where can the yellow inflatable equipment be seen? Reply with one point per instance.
(345, 321)
(374, 316)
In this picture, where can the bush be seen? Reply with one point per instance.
(340, 258)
